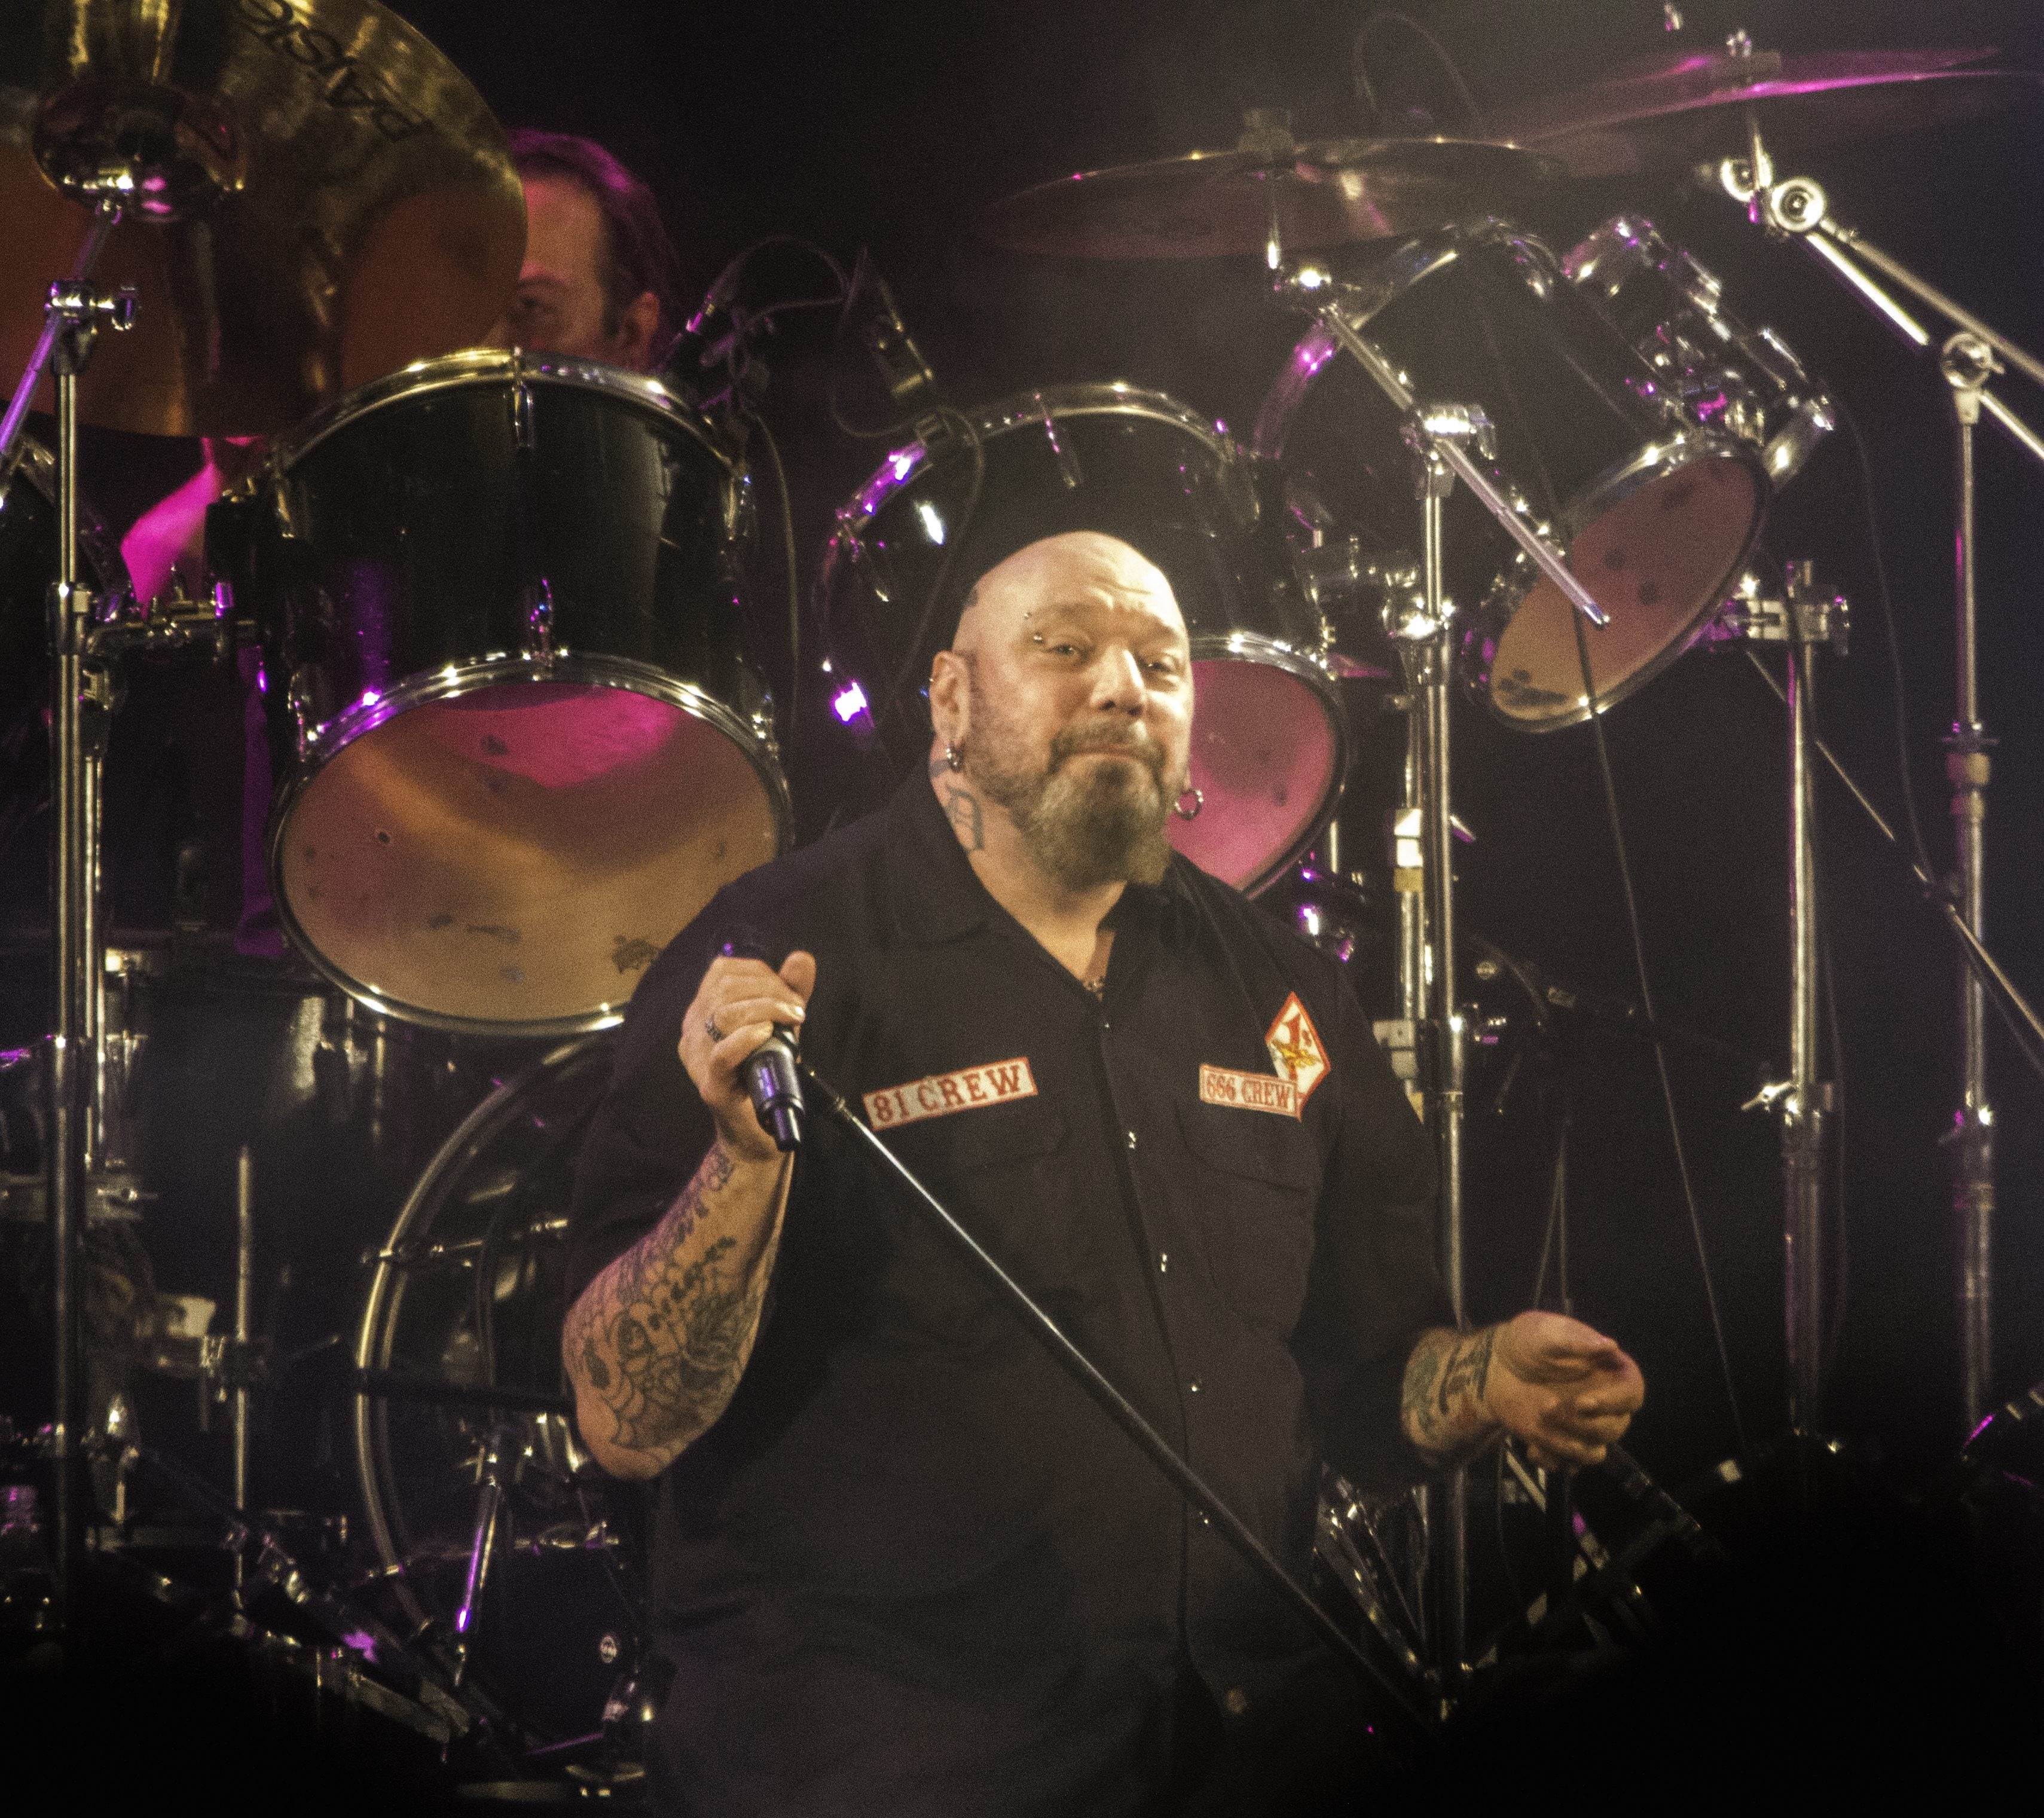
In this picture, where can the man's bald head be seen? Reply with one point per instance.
(1067, 699)
(1075, 567)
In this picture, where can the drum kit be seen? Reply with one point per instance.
(494, 608)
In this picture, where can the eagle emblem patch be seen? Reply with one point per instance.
(1295, 1047)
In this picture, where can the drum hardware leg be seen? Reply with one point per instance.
(75, 313)
(1798, 207)
(499, 1451)
(1803, 622)
(1423, 638)
(244, 1290)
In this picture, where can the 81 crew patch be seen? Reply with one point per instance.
(968, 1090)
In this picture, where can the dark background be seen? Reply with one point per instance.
(891, 127)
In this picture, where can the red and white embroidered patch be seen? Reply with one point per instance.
(998, 1082)
(1249, 1091)
(1296, 1050)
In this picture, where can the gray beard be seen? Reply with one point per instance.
(1103, 825)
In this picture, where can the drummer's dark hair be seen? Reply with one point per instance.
(638, 253)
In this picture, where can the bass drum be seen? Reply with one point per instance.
(478, 1497)
(1269, 745)
(516, 743)
(1655, 507)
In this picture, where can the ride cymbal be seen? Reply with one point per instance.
(1674, 114)
(314, 197)
(1325, 193)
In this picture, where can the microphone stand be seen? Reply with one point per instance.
(1423, 1720)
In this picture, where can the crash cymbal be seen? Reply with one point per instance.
(332, 201)
(1687, 111)
(1328, 192)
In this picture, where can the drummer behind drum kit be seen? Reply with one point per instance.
(517, 740)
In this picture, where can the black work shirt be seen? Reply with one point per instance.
(912, 1568)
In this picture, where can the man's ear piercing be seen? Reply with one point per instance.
(1192, 814)
(951, 757)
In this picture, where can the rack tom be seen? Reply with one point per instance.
(516, 742)
(1655, 505)
(1270, 739)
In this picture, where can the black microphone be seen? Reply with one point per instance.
(769, 1071)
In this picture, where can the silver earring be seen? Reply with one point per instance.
(1192, 814)
(951, 757)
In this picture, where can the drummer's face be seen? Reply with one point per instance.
(560, 307)
(1079, 632)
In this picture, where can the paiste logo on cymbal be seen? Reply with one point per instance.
(1294, 1048)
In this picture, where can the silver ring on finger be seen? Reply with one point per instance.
(710, 1026)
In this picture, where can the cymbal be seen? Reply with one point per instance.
(1327, 192)
(1687, 111)
(332, 201)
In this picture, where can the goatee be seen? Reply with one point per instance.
(1085, 824)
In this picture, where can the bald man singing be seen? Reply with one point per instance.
(904, 1566)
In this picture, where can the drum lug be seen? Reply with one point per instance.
(525, 431)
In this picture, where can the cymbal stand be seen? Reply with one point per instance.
(1803, 622)
(1442, 437)
(1797, 208)
(106, 217)
(74, 316)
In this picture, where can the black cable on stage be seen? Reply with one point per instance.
(1653, 1022)
(1359, 65)
(1896, 676)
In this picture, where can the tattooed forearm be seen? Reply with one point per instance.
(1442, 1410)
(657, 1342)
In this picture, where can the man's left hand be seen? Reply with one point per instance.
(1564, 1389)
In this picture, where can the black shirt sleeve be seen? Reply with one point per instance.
(1375, 1285)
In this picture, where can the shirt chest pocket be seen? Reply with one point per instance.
(1253, 1183)
(1005, 1175)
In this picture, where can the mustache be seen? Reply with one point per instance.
(1110, 734)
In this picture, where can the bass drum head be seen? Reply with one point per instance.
(465, 1301)
(1269, 738)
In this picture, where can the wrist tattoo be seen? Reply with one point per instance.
(1443, 1407)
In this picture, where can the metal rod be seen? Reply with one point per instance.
(1893, 269)
(1968, 767)
(2025, 1024)
(66, 1159)
(106, 217)
(1119, 1408)
(1802, 1107)
(245, 1294)
(1444, 1021)
(1543, 554)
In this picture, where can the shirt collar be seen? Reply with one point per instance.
(938, 896)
